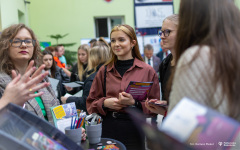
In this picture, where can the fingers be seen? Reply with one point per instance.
(15, 79)
(31, 96)
(126, 94)
(36, 80)
(153, 100)
(26, 76)
(38, 71)
(30, 65)
(40, 86)
(14, 74)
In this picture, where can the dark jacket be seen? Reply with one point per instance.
(164, 73)
(74, 77)
(63, 78)
(81, 101)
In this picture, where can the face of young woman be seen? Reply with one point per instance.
(82, 56)
(48, 61)
(169, 41)
(121, 45)
(24, 52)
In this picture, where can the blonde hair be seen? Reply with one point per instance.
(98, 55)
(81, 70)
(129, 31)
(173, 18)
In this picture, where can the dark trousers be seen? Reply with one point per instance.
(120, 127)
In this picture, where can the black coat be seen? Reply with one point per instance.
(81, 101)
(165, 73)
(63, 78)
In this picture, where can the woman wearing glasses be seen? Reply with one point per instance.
(18, 47)
(168, 35)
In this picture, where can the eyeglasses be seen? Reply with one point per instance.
(164, 32)
(18, 43)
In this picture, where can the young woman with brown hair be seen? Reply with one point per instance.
(107, 96)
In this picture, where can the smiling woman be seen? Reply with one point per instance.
(18, 46)
(107, 96)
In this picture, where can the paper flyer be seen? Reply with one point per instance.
(139, 90)
(62, 115)
(201, 127)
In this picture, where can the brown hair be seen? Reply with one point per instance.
(214, 23)
(6, 65)
(50, 48)
(81, 70)
(53, 67)
(129, 31)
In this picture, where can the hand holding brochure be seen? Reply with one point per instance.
(201, 127)
(139, 90)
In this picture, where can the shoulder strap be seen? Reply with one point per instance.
(104, 86)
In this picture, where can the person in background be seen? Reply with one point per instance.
(154, 62)
(150, 59)
(101, 41)
(91, 42)
(97, 57)
(62, 57)
(207, 55)
(51, 49)
(55, 72)
(107, 96)
(58, 54)
(79, 69)
(168, 35)
(19, 49)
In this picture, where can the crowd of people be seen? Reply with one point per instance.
(203, 65)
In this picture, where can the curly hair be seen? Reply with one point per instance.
(6, 65)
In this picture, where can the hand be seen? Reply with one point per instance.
(21, 89)
(155, 108)
(113, 103)
(68, 88)
(64, 99)
(126, 99)
(84, 135)
(34, 74)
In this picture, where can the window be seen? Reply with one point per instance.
(104, 25)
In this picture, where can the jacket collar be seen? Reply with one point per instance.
(137, 63)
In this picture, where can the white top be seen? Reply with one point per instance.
(151, 61)
(194, 80)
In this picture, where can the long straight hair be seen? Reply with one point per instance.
(53, 67)
(81, 70)
(129, 31)
(214, 23)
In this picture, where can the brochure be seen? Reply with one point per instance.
(72, 84)
(139, 90)
(63, 115)
(201, 127)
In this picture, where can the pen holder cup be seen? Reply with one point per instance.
(74, 134)
(94, 133)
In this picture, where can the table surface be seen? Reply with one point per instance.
(87, 145)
